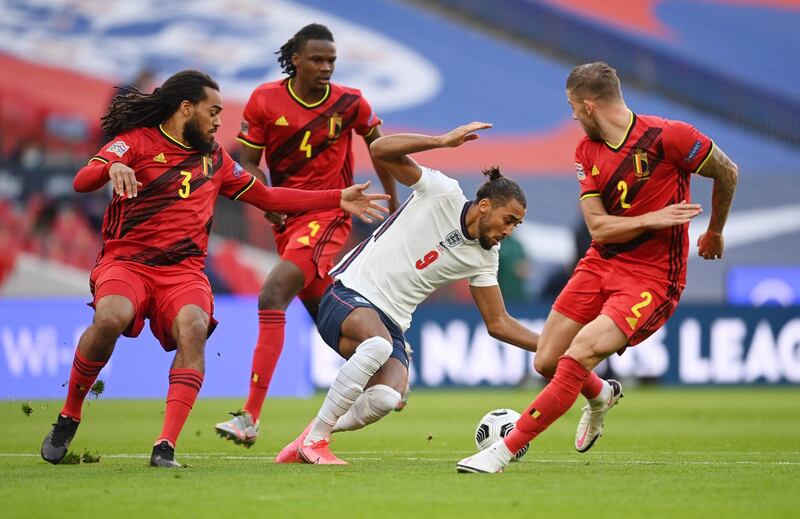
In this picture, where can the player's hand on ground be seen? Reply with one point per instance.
(675, 214)
(364, 205)
(124, 180)
(275, 218)
(710, 245)
(462, 134)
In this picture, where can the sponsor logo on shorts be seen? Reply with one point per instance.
(118, 148)
(693, 151)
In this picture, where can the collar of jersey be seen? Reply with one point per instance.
(619, 146)
(303, 103)
(172, 139)
(464, 230)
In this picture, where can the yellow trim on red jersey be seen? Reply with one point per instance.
(589, 195)
(371, 130)
(245, 188)
(99, 159)
(249, 144)
(173, 139)
(308, 105)
(625, 138)
(710, 151)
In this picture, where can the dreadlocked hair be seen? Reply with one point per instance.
(135, 109)
(314, 31)
(499, 189)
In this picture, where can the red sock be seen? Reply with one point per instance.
(81, 378)
(271, 325)
(592, 387)
(184, 384)
(554, 400)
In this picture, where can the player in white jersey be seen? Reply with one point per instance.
(436, 237)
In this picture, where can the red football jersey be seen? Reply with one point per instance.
(650, 169)
(306, 146)
(169, 221)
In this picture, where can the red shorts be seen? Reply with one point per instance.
(157, 293)
(312, 242)
(638, 304)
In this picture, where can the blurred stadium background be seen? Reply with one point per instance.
(726, 66)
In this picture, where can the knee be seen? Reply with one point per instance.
(382, 399)
(377, 348)
(111, 324)
(544, 365)
(193, 327)
(274, 295)
(583, 348)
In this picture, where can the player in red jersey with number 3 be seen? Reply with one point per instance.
(634, 172)
(304, 126)
(166, 171)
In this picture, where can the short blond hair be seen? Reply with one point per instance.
(594, 80)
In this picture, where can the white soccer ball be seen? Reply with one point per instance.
(495, 425)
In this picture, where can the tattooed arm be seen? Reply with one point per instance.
(725, 173)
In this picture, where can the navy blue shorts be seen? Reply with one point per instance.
(336, 305)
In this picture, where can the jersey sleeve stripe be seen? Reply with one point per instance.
(590, 194)
(244, 189)
(708, 156)
(99, 159)
(249, 143)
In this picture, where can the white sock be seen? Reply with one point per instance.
(373, 404)
(354, 374)
(602, 397)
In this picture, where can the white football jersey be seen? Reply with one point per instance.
(424, 245)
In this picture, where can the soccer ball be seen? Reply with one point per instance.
(495, 425)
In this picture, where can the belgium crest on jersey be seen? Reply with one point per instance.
(640, 164)
(334, 126)
(208, 167)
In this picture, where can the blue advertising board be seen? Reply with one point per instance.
(699, 345)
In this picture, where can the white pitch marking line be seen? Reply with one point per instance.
(437, 460)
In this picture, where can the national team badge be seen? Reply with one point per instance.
(334, 126)
(118, 148)
(208, 167)
(641, 165)
(453, 239)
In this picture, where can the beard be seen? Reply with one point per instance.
(483, 233)
(592, 131)
(195, 138)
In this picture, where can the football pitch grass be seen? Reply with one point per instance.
(707, 453)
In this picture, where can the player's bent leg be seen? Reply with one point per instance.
(283, 283)
(557, 334)
(601, 338)
(113, 315)
(189, 330)
(380, 397)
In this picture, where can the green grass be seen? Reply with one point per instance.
(666, 453)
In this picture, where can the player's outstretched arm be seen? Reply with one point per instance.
(353, 200)
(606, 228)
(725, 173)
(384, 174)
(500, 325)
(94, 175)
(393, 150)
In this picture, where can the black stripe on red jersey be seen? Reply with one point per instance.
(247, 186)
(609, 251)
(160, 194)
(252, 143)
(292, 144)
(208, 225)
(165, 256)
(610, 194)
(323, 240)
(101, 159)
